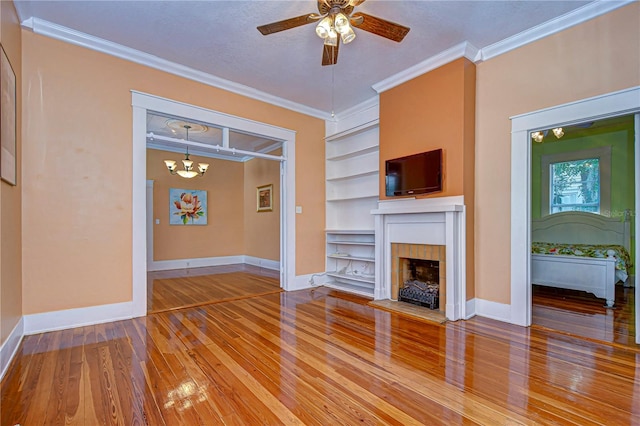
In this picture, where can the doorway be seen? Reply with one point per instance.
(218, 245)
(142, 105)
(609, 105)
(582, 196)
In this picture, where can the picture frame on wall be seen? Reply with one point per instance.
(8, 162)
(187, 206)
(264, 198)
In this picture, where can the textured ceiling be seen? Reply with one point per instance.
(220, 38)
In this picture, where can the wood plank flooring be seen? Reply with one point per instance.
(319, 358)
(582, 314)
(185, 288)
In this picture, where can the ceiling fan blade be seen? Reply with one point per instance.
(330, 54)
(287, 24)
(355, 3)
(379, 26)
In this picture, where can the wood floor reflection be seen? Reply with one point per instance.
(187, 288)
(319, 358)
(583, 315)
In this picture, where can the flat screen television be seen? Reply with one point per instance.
(414, 174)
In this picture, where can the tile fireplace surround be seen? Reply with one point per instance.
(430, 221)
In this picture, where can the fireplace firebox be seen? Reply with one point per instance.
(421, 283)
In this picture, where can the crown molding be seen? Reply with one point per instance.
(561, 23)
(373, 102)
(59, 32)
(464, 49)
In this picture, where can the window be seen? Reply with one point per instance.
(576, 181)
(575, 186)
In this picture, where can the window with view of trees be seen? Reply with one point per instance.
(575, 186)
(576, 181)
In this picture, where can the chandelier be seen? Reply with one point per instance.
(540, 135)
(188, 171)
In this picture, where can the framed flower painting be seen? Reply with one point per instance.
(187, 207)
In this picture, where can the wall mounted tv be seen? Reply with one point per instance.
(414, 174)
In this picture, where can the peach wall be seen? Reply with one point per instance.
(436, 110)
(77, 189)
(423, 114)
(594, 58)
(262, 229)
(11, 196)
(224, 233)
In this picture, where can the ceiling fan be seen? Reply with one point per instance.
(337, 21)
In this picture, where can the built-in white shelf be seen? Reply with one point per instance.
(372, 124)
(352, 171)
(352, 154)
(351, 243)
(370, 279)
(351, 260)
(355, 175)
(355, 197)
(340, 256)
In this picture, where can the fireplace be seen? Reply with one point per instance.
(419, 274)
(429, 229)
(420, 284)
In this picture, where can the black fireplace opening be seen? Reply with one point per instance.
(422, 283)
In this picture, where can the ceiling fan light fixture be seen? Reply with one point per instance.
(341, 23)
(349, 36)
(332, 39)
(324, 27)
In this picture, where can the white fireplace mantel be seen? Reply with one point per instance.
(434, 221)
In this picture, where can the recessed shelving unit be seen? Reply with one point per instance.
(351, 261)
(352, 182)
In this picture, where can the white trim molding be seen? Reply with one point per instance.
(462, 50)
(608, 105)
(493, 310)
(202, 262)
(561, 23)
(78, 317)
(274, 265)
(143, 102)
(10, 346)
(68, 35)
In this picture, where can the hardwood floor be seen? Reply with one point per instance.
(186, 288)
(582, 314)
(320, 358)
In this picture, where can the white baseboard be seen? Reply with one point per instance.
(301, 282)
(165, 265)
(10, 346)
(71, 318)
(493, 310)
(262, 263)
(470, 308)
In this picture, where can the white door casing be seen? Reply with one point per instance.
(141, 103)
(609, 105)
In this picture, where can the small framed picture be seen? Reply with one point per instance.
(264, 198)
